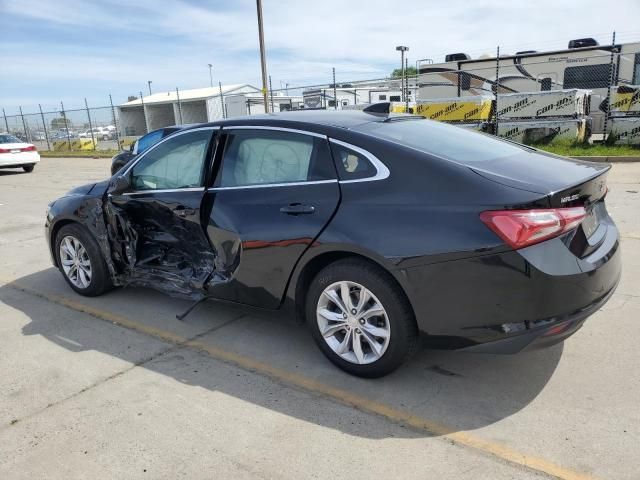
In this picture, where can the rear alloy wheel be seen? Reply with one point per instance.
(80, 261)
(360, 318)
(353, 322)
(28, 168)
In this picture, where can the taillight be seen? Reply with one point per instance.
(30, 148)
(521, 228)
(4, 150)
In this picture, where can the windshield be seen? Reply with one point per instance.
(447, 141)
(5, 138)
(149, 140)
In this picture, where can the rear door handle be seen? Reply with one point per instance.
(297, 209)
(183, 211)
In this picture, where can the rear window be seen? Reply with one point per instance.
(447, 141)
(9, 139)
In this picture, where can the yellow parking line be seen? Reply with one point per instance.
(495, 449)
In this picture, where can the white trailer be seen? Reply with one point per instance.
(585, 67)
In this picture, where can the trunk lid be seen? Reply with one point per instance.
(565, 181)
(14, 146)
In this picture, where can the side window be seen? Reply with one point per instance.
(176, 163)
(636, 70)
(545, 84)
(149, 139)
(350, 164)
(259, 157)
(394, 98)
(465, 81)
(587, 76)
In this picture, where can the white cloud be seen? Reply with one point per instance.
(173, 40)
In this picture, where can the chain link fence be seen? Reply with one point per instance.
(575, 96)
(66, 129)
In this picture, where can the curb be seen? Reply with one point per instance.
(74, 156)
(612, 159)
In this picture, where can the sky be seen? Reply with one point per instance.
(66, 50)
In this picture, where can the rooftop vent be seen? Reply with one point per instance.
(583, 42)
(456, 57)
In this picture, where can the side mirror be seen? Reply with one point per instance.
(120, 161)
(118, 185)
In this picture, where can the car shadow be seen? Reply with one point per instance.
(7, 172)
(461, 391)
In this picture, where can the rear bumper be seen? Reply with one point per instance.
(18, 159)
(556, 331)
(509, 301)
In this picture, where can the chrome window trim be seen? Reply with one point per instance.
(153, 147)
(279, 184)
(267, 127)
(165, 190)
(382, 171)
(268, 185)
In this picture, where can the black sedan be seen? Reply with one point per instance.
(376, 229)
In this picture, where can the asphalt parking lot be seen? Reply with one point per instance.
(116, 387)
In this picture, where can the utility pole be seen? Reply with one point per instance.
(149, 82)
(402, 49)
(210, 75)
(271, 94)
(263, 60)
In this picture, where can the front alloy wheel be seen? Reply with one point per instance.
(75, 262)
(353, 322)
(80, 261)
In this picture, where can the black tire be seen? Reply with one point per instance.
(404, 338)
(28, 168)
(100, 279)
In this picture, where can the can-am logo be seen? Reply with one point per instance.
(557, 106)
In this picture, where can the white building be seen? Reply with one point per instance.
(196, 105)
(362, 93)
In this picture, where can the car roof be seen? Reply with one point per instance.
(346, 119)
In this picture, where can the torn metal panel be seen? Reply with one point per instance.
(158, 242)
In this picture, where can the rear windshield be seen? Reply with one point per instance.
(447, 141)
(4, 138)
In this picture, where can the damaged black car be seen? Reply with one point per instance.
(376, 229)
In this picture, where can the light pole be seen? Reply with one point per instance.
(402, 49)
(263, 60)
(149, 82)
(210, 75)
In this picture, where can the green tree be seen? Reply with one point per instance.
(60, 123)
(397, 73)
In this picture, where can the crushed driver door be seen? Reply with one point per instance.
(155, 227)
